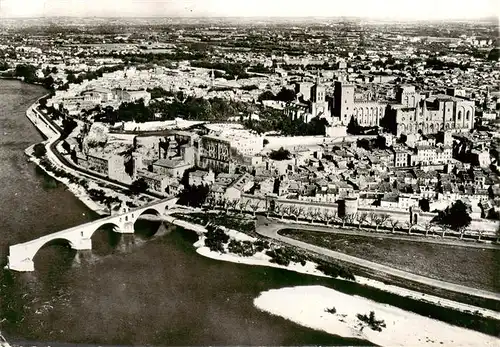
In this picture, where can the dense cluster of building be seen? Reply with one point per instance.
(432, 118)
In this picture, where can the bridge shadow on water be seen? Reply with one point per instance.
(57, 268)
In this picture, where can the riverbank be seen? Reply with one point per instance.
(334, 312)
(80, 191)
(310, 268)
(413, 255)
(51, 135)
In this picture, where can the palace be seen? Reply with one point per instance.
(363, 108)
(316, 106)
(429, 114)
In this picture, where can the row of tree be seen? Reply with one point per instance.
(456, 217)
(232, 70)
(285, 95)
(275, 120)
(91, 75)
(215, 109)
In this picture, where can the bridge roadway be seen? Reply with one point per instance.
(79, 237)
(269, 228)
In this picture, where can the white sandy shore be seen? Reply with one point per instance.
(77, 190)
(403, 328)
(261, 259)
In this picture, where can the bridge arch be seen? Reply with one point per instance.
(105, 237)
(58, 241)
(145, 228)
(151, 210)
(116, 228)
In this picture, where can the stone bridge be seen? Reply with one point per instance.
(79, 238)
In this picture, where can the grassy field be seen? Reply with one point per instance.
(473, 267)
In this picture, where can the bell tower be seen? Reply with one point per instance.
(318, 91)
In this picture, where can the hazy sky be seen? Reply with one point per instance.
(395, 9)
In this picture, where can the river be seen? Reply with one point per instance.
(159, 292)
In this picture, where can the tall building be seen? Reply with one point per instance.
(365, 110)
(414, 113)
(220, 152)
(319, 105)
(315, 102)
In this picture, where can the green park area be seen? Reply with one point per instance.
(473, 267)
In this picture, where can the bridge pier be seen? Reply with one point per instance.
(83, 257)
(127, 241)
(128, 228)
(23, 265)
(82, 244)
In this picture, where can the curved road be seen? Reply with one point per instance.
(354, 231)
(68, 166)
(269, 229)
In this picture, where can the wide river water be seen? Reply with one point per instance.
(158, 292)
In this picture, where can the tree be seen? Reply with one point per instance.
(243, 205)
(394, 223)
(326, 216)
(255, 206)
(194, 196)
(66, 147)
(138, 186)
(373, 217)
(494, 54)
(353, 126)
(280, 154)
(455, 217)
(27, 72)
(297, 212)
(345, 218)
(231, 204)
(68, 125)
(278, 210)
(74, 157)
(427, 227)
(39, 150)
(424, 205)
(333, 216)
(285, 95)
(48, 82)
(379, 220)
(362, 217)
(315, 214)
(267, 95)
(384, 217)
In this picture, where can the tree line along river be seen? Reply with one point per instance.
(159, 292)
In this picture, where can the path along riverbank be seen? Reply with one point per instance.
(50, 131)
(270, 230)
(311, 303)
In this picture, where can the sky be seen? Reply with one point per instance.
(378, 9)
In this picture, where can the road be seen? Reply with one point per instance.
(61, 161)
(268, 228)
(383, 233)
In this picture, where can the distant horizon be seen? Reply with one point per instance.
(397, 10)
(375, 19)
